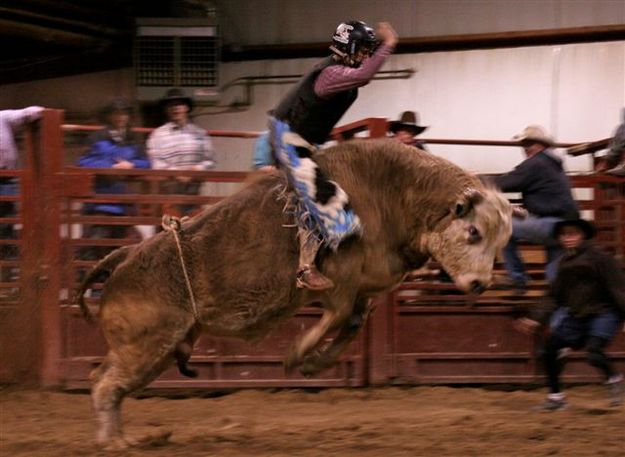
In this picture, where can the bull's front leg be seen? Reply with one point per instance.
(326, 357)
(338, 306)
(310, 340)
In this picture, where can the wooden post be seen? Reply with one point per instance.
(378, 353)
(50, 164)
(30, 250)
(378, 127)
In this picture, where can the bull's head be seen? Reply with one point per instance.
(467, 239)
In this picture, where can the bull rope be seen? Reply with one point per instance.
(174, 224)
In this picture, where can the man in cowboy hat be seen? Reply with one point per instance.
(179, 144)
(407, 128)
(588, 297)
(547, 197)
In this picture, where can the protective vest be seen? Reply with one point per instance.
(307, 114)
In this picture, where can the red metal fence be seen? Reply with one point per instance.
(421, 333)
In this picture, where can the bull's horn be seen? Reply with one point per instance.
(474, 196)
(470, 198)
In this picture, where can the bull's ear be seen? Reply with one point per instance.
(470, 198)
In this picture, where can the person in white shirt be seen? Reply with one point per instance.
(180, 145)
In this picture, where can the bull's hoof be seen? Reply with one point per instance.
(116, 444)
(308, 370)
(121, 443)
(292, 361)
(155, 439)
(186, 371)
(314, 365)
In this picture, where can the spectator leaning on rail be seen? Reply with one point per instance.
(180, 145)
(547, 197)
(10, 121)
(304, 118)
(407, 128)
(115, 146)
(614, 162)
(588, 297)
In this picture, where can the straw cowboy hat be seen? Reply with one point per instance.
(535, 133)
(176, 95)
(585, 226)
(409, 120)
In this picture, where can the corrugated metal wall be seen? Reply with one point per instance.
(256, 22)
(576, 91)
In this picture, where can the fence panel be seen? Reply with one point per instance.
(424, 332)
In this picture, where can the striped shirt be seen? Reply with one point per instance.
(171, 147)
(338, 78)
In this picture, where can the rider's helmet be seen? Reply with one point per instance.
(352, 41)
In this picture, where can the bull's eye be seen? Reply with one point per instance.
(474, 234)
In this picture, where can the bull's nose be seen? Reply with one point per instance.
(477, 287)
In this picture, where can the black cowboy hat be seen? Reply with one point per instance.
(176, 95)
(118, 104)
(585, 226)
(409, 120)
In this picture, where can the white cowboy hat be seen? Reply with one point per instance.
(535, 133)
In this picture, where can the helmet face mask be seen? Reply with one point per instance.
(353, 41)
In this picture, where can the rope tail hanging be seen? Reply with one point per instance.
(174, 224)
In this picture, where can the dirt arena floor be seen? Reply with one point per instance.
(385, 422)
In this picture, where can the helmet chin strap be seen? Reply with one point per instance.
(347, 59)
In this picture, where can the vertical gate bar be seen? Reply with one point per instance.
(378, 127)
(69, 279)
(29, 253)
(377, 347)
(51, 161)
(620, 193)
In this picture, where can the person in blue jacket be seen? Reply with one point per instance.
(115, 146)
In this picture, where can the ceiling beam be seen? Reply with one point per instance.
(47, 34)
(18, 16)
(439, 43)
(78, 62)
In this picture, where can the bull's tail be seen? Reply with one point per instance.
(104, 267)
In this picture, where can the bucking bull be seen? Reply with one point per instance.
(241, 255)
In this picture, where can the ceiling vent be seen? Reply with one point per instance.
(177, 52)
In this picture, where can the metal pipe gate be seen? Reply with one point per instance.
(421, 333)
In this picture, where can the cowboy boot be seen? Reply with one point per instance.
(308, 276)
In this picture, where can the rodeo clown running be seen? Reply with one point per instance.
(305, 118)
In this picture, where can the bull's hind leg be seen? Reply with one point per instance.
(130, 367)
